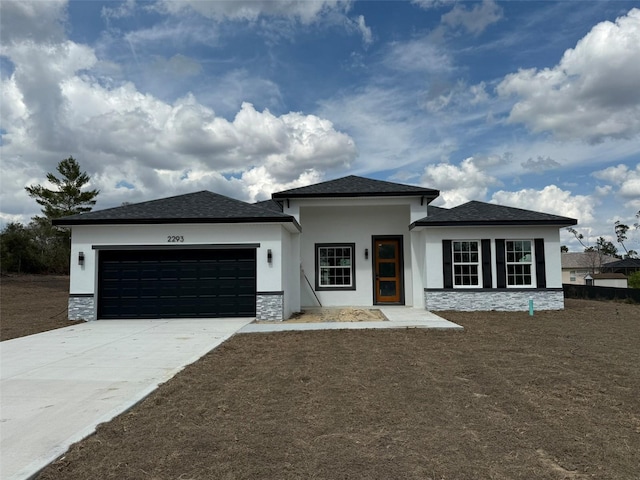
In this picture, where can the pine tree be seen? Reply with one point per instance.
(68, 198)
(53, 244)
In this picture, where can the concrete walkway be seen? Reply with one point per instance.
(398, 316)
(56, 386)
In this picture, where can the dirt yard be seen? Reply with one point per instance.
(510, 397)
(32, 303)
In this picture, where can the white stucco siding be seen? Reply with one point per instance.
(357, 225)
(290, 266)
(269, 277)
(433, 247)
(418, 266)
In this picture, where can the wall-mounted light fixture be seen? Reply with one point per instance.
(80, 258)
(269, 256)
(366, 254)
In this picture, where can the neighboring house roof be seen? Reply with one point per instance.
(625, 263)
(354, 186)
(585, 259)
(198, 207)
(481, 213)
(607, 276)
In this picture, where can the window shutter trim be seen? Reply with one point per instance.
(447, 262)
(501, 266)
(541, 273)
(486, 263)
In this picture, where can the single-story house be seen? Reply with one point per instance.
(353, 241)
(614, 280)
(577, 265)
(626, 266)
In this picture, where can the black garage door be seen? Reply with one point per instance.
(177, 283)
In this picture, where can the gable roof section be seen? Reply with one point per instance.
(269, 205)
(198, 207)
(476, 213)
(354, 186)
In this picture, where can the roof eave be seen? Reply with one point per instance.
(495, 223)
(428, 195)
(61, 222)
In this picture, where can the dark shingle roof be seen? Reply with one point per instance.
(354, 186)
(432, 210)
(625, 263)
(480, 213)
(270, 205)
(198, 207)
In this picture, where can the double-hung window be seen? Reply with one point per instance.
(519, 262)
(335, 269)
(466, 263)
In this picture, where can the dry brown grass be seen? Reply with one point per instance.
(32, 304)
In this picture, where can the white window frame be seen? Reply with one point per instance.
(322, 271)
(461, 261)
(520, 262)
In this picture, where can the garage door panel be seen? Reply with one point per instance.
(176, 283)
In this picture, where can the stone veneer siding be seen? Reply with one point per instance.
(495, 299)
(81, 307)
(270, 306)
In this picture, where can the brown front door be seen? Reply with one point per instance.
(388, 270)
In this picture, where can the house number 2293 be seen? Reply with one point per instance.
(175, 238)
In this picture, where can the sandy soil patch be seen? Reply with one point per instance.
(351, 314)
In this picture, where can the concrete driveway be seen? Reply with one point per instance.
(56, 386)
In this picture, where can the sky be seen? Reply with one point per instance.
(530, 104)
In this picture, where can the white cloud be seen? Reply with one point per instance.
(551, 199)
(365, 31)
(304, 11)
(40, 71)
(53, 106)
(615, 174)
(475, 19)
(176, 66)
(121, 10)
(626, 182)
(540, 164)
(592, 94)
(421, 55)
(458, 183)
(32, 20)
(427, 4)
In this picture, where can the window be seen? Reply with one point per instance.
(335, 267)
(519, 263)
(466, 262)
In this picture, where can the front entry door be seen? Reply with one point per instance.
(388, 270)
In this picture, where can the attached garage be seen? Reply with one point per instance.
(199, 255)
(174, 283)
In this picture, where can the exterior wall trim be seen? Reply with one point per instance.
(477, 290)
(179, 246)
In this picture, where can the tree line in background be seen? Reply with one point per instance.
(40, 247)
